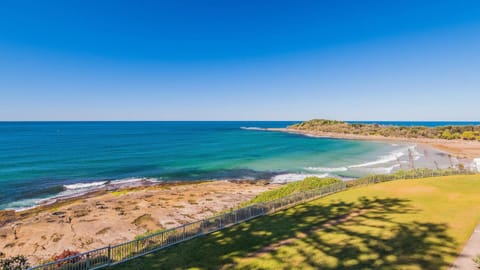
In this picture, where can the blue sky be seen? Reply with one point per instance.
(239, 60)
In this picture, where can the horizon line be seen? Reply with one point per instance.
(52, 121)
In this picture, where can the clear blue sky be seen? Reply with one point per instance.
(239, 60)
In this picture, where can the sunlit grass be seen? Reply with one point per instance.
(405, 224)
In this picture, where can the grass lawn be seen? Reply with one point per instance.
(406, 224)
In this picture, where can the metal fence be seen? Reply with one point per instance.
(404, 175)
(112, 255)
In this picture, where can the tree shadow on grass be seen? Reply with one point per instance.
(369, 240)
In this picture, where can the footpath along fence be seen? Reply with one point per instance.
(116, 254)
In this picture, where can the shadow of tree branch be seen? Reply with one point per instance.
(370, 240)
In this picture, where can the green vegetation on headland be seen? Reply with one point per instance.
(440, 132)
(412, 224)
(308, 183)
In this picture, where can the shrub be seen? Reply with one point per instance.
(149, 233)
(307, 184)
(446, 135)
(477, 261)
(468, 135)
(14, 263)
(444, 132)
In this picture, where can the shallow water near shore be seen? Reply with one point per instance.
(39, 160)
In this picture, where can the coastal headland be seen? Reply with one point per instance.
(459, 141)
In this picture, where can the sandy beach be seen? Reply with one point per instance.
(461, 149)
(112, 217)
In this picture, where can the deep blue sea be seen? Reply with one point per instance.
(40, 160)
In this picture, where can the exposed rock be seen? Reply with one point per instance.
(7, 216)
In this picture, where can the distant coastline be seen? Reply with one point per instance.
(459, 148)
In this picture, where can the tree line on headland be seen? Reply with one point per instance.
(469, 132)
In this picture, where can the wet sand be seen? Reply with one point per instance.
(112, 217)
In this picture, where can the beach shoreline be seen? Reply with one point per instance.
(104, 217)
(461, 149)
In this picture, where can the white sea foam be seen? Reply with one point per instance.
(476, 163)
(22, 205)
(113, 183)
(132, 181)
(455, 161)
(382, 160)
(252, 128)
(392, 157)
(415, 154)
(326, 169)
(85, 185)
(293, 177)
(382, 170)
(79, 189)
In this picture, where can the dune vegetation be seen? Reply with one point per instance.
(408, 224)
(306, 184)
(470, 133)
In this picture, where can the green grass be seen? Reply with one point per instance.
(308, 183)
(143, 235)
(406, 224)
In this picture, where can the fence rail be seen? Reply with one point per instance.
(112, 255)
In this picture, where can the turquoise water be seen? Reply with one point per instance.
(44, 159)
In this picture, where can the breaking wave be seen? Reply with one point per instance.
(85, 185)
(385, 159)
(252, 128)
(293, 177)
(326, 169)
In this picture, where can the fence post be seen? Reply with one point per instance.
(109, 259)
(87, 263)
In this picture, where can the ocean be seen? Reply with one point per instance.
(41, 160)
